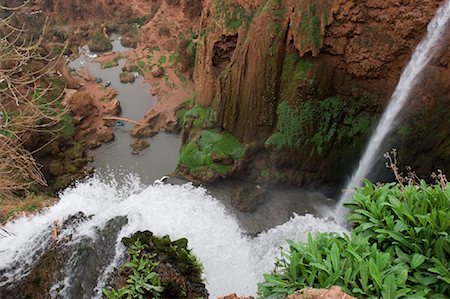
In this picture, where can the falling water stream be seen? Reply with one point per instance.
(408, 80)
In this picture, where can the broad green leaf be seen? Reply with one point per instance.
(417, 260)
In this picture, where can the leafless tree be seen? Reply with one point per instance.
(25, 108)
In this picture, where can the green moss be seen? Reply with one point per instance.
(111, 63)
(200, 115)
(309, 29)
(231, 14)
(162, 59)
(197, 154)
(295, 74)
(319, 124)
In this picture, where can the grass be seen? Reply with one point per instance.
(30, 204)
(162, 59)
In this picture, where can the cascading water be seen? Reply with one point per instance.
(232, 261)
(408, 80)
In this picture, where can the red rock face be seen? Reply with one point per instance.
(362, 43)
(356, 49)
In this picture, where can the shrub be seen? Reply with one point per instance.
(100, 43)
(399, 247)
(352, 263)
(193, 8)
(412, 224)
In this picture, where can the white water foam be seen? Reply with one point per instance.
(232, 262)
(408, 80)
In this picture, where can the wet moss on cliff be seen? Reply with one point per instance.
(231, 14)
(207, 152)
(308, 23)
(320, 125)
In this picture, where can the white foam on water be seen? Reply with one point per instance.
(233, 263)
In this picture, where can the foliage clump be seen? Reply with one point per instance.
(100, 43)
(231, 14)
(399, 247)
(142, 281)
(159, 268)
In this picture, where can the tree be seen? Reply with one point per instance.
(27, 104)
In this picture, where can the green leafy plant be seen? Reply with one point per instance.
(399, 246)
(358, 267)
(143, 281)
(412, 224)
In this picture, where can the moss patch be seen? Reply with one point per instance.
(231, 14)
(111, 63)
(320, 124)
(211, 150)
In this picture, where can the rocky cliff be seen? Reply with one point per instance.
(299, 84)
(303, 82)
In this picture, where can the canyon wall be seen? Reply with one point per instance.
(303, 82)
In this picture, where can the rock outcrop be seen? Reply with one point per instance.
(308, 80)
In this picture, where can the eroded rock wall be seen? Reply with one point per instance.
(339, 61)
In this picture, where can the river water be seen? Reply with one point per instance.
(135, 99)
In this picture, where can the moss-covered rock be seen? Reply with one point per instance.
(99, 43)
(179, 270)
(127, 77)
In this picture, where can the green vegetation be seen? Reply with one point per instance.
(399, 247)
(162, 59)
(210, 148)
(231, 14)
(295, 74)
(199, 115)
(99, 43)
(111, 63)
(310, 22)
(31, 203)
(143, 280)
(320, 124)
(158, 268)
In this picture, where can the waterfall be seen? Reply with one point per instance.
(408, 80)
(233, 262)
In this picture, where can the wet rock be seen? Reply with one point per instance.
(139, 145)
(127, 77)
(105, 135)
(129, 40)
(245, 198)
(56, 168)
(334, 292)
(80, 104)
(179, 271)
